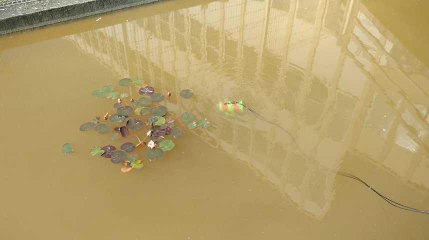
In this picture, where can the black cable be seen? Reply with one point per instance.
(388, 200)
(340, 173)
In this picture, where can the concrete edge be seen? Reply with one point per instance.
(48, 15)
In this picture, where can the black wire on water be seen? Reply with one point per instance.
(340, 173)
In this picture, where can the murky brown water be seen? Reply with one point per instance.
(330, 72)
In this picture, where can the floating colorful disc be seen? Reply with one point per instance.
(231, 106)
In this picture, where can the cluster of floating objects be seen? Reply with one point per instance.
(144, 123)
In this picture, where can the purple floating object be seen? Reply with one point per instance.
(108, 151)
(146, 90)
(124, 131)
(157, 133)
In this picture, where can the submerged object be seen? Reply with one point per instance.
(231, 106)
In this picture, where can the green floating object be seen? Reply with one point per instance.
(125, 110)
(138, 82)
(103, 92)
(192, 125)
(141, 111)
(132, 157)
(160, 121)
(96, 151)
(159, 111)
(231, 106)
(186, 93)
(204, 123)
(176, 132)
(116, 118)
(125, 82)
(106, 92)
(143, 102)
(87, 126)
(137, 164)
(187, 117)
(166, 145)
(102, 128)
(157, 97)
(155, 153)
(68, 148)
(115, 136)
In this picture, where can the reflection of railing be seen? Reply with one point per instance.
(223, 41)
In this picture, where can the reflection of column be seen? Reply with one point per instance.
(222, 33)
(173, 45)
(305, 87)
(264, 30)
(288, 30)
(241, 29)
(137, 40)
(125, 46)
(160, 53)
(322, 9)
(240, 42)
(203, 34)
(188, 43)
(146, 51)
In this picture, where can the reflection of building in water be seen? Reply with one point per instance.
(329, 72)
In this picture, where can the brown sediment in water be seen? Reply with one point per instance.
(354, 99)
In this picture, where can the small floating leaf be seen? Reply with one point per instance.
(187, 117)
(124, 95)
(124, 131)
(166, 145)
(161, 132)
(134, 124)
(138, 82)
(115, 136)
(155, 153)
(160, 121)
(87, 126)
(125, 82)
(104, 92)
(159, 111)
(68, 148)
(143, 102)
(157, 97)
(152, 119)
(146, 90)
(108, 151)
(128, 147)
(137, 164)
(118, 156)
(141, 111)
(116, 118)
(102, 128)
(96, 151)
(125, 111)
(132, 157)
(113, 95)
(176, 132)
(186, 93)
(192, 125)
(203, 123)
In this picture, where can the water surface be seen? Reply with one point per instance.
(350, 93)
